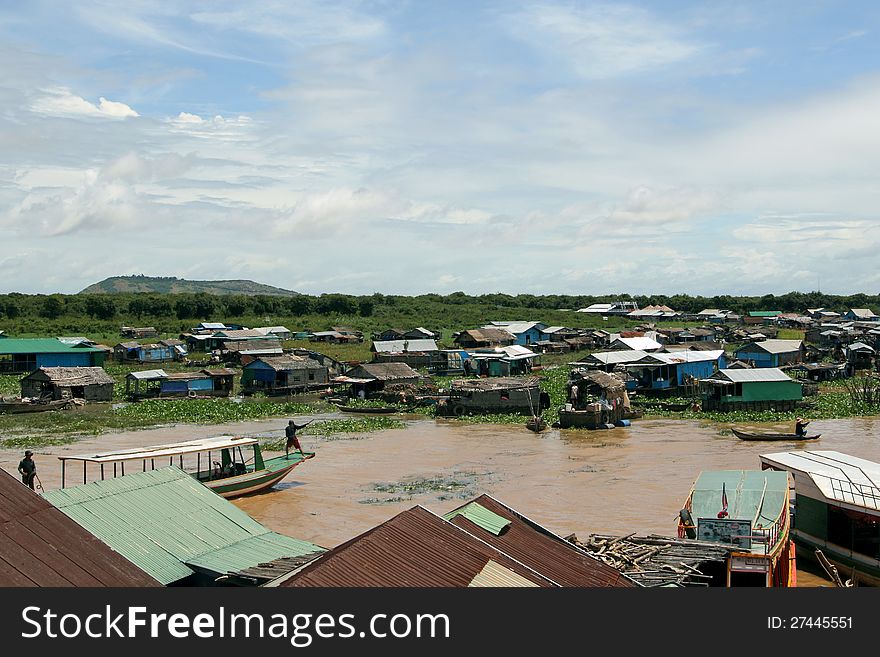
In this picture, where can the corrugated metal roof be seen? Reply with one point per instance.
(161, 519)
(40, 546)
(639, 344)
(763, 374)
(537, 547)
(773, 346)
(838, 476)
(252, 551)
(480, 516)
(683, 357)
(401, 346)
(616, 357)
(415, 548)
(148, 375)
(496, 575)
(42, 346)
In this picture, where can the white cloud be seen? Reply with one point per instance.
(602, 41)
(60, 101)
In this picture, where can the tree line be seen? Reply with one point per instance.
(200, 306)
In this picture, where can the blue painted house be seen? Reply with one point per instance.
(659, 371)
(133, 352)
(771, 353)
(526, 333)
(23, 355)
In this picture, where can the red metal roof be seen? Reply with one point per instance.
(40, 546)
(415, 548)
(542, 550)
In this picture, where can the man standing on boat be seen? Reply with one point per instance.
(292, 440)
(27, 469)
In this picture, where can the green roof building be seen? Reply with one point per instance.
(23, 355)
(174, 528)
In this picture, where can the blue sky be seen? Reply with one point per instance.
(410, 147)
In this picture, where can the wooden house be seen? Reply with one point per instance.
(88, 383)
(213, 382)
(760, 389)
(860, 356)
(861, 315)
(22, 355)
(501, 395)
(134, 352)
(513, 360)
(371, 378)
(772, 353)
(281, 375)
(672, 371)
(524, 333)
(484, 337)
(415, 353)
(243, 351)
(761, 316)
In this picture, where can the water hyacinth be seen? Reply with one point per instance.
(210, 411)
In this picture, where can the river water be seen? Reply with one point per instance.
(617, 481)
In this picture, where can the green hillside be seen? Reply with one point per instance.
(173, 285)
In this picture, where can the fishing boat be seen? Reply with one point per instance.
(536, 424)
(21, 406)
(747, 509)
(744, 435)
(219, 463)
(837, 509)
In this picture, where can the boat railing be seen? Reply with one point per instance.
(865, 495)
(770, 536)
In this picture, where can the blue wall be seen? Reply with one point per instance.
(761, 358)
(86, 359)
(531, 336)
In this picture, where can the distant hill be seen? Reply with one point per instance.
(173, 285)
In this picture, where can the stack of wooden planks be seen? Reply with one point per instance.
(657, 560)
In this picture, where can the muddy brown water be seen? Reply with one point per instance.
(617, 481)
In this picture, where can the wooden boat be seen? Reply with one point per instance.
(18, 406)
(536, 424)
(837, 509)
(748, 511)
(744, 435)
(231, 476)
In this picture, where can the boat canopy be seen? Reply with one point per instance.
(171, 449)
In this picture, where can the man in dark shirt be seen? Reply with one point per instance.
(292, 440)
(27, 469)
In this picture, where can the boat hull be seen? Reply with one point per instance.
(791, 437)
(367, 409)
(253, 482)
(863, 570)
(16, 407)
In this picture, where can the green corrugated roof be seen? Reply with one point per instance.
(41, 346)
(252, 550)
(480, 516)
(162, 519)
(744, 489)
(764, 313)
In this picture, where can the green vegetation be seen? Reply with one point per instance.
(327, 429)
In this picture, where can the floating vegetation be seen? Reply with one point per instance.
(458, 485)
(333, 429)
(210, 411)
(35, 441)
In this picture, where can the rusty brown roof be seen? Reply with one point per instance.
(542, 550)
(40, 546)
(415, 548)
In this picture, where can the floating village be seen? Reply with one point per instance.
(674, 450)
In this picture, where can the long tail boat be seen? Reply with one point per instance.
(219, 463)
(745, 435)
(747, 509)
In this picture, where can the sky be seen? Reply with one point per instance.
(409, 147)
